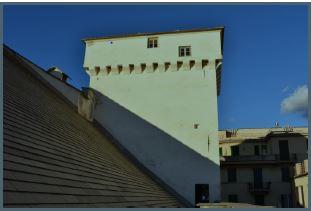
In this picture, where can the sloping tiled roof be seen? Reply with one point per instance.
(55, 158)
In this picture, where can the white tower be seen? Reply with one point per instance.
(158, 98)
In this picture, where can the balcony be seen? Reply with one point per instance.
(259, 187)
(261, 158)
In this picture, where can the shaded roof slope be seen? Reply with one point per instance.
(55, 158)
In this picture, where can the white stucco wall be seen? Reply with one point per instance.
(153, 114)
(133, 50)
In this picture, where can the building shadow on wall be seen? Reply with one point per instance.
(177, 167)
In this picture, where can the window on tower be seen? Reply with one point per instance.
(152, 42)
(184, 51)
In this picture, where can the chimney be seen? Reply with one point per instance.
(86, 103)
(58, 73)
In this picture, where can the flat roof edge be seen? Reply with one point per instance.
(154, 33)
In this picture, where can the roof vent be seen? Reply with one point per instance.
(58, 73)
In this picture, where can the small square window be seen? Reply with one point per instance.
(152, 42)
(184, 51)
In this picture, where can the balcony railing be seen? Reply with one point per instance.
(259, 187)
(247, 158)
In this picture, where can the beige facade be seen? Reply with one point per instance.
(257, 165)
(301, 184)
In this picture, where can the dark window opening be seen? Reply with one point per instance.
(152, 42)
(258, 178)
(235, 151)
(231, 175)
(220, 151)
(184, 51)
(284, 150)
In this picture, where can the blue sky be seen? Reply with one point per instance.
(265, 49)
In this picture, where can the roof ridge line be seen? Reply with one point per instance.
(154, 33)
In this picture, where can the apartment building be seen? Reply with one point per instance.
(257, 165)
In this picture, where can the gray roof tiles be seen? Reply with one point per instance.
(55, 158)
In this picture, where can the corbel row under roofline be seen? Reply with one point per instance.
(154, 67)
